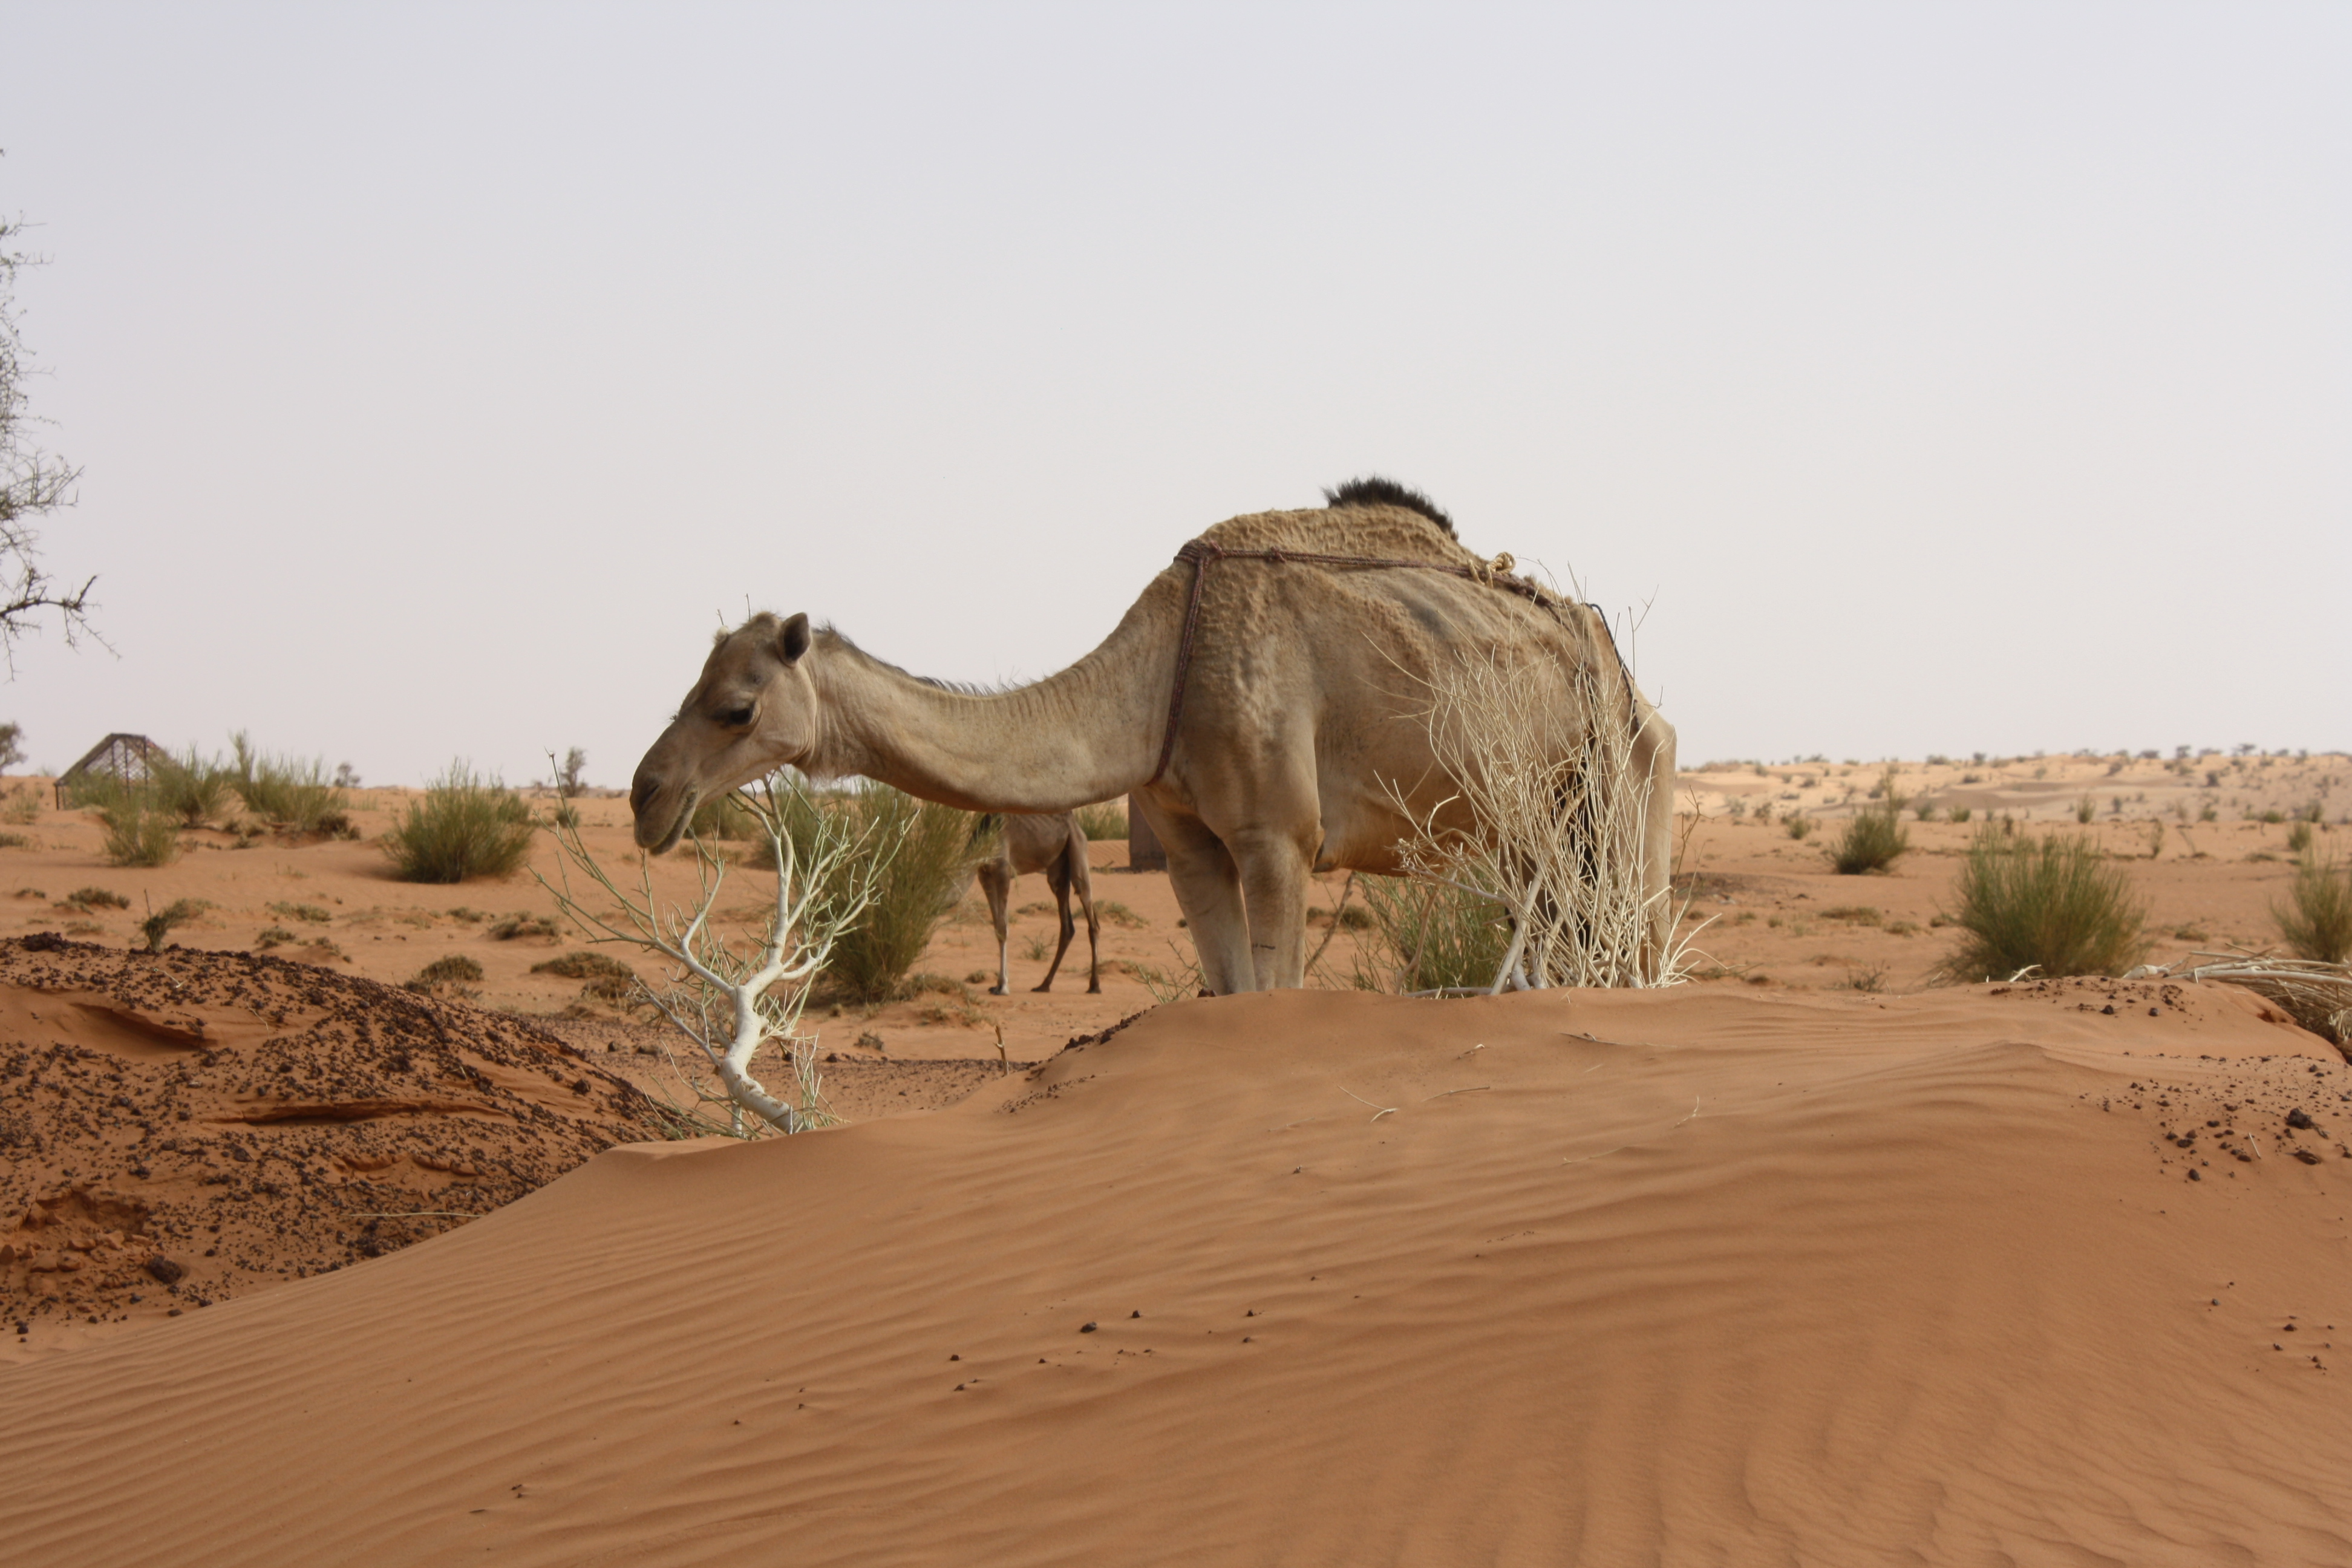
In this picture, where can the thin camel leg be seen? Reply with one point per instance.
(1057, 877)
(1082, 878)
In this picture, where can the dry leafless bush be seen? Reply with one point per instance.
(1542, 763)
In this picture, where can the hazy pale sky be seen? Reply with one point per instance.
(1939, 377)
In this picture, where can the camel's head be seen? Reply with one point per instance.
(754, 711)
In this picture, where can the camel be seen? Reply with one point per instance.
(1301, 708)
(1057, 846)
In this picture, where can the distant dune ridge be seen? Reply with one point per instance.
(1705, 1276)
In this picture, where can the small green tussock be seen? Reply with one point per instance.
(585, 966)
(2056, 904)
(312, 913)
(455, 969)
(1855, 914)
(2086, 809)
(2316, 919)
(160, 924)
(1874, 838)
(98, 899)
(290, 795)
(515, 927)
(2298, 839)
(21, 807)
(1117, 914)
(191, 786)
(1427, 936)
(466, 826)
(137, 834)
(1797, 826)
(273, 936)
(1962, 812)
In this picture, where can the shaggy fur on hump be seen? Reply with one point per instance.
(1374, 490)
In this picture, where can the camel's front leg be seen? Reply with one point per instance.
(1274, 881)
(1209, 891)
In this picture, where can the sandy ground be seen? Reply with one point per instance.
(1805, 1262)
(1712, 1275)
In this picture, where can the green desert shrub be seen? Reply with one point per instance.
(585, 966)
(516, 928)
(138, 832)
(98, 899)
(2053, 903)
(1874, 838)
(2316, 919)
(192, 786)
(1103, 822)
(455, 969)
(931, 852)
(1797, 826)
(1428, 936)
(297, 797)
(160, 924)
(466, 826)
(2086, 809)
(2298, 839)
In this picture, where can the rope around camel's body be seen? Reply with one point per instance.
(1495, 573)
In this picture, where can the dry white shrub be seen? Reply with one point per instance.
(731, 1006)
(1549, 817)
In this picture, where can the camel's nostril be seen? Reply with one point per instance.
(642, 793)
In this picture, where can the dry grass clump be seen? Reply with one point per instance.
(2316, 919)
(2053, 904)
(1103, 822)
(466, 826)
(1797, 826)
(516, 928)
(1541, 760)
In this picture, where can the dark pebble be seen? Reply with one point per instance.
(2298, 1117)
(2109, 1009)
(957, 1357)
(1088, 1328)
(164, 1272)
(2195, 1177)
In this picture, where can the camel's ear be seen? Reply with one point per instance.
(793, 639)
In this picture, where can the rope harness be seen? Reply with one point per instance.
(1495, 573)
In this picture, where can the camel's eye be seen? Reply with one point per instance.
(736, 718)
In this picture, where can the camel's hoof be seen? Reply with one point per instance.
(1094, 989)
(1047, 986)
(996, 991)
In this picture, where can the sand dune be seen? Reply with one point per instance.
(1714, 1276)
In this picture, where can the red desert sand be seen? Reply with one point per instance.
(2033, 1274)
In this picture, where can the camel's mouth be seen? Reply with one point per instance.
(669, 837)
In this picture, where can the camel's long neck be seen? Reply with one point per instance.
(1089, 733)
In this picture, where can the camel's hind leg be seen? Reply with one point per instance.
(1209, 890)
(1068, 872)
(1082, 878)
(996, 882)
(1057, 877)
